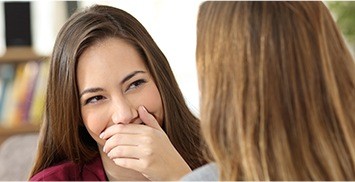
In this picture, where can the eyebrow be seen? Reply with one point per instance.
(91, 90)
(129, 76)
(97, 89)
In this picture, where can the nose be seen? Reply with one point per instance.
(123, 112)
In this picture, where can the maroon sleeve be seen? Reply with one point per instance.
(63, 172)
(69, 171)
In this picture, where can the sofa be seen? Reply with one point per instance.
(17, 155)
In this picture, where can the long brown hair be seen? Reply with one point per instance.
(277, 91)
(63, 135)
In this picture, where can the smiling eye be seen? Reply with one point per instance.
(135, 84)
(94, 99)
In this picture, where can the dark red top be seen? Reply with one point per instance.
(69, 171)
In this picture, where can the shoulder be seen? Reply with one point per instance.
(69, 171)
(61, 172)
(208, 172)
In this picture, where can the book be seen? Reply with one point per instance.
(38, 100)
(7, 72)
(12, 115)
(29, 83)
(22, 93)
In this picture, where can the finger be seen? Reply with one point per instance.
(147, 118)
(132, 152)
(124, 152)
(128, 140)
(123, 129)
(130, 163)
(122, 139)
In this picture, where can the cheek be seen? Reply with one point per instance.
(150, 98)
(156, 107)
(94, 122)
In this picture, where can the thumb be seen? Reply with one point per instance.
(147, 118)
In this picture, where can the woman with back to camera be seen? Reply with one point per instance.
(113, 110)
(277, 86)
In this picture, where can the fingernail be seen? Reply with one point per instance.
(144, 109)
(103, 149)
(102, 135)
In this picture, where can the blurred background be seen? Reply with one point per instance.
(344, 14)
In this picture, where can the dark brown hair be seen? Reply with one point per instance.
(277, 91)
(63, 135)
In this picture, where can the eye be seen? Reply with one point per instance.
(94, 99)
(135, 84)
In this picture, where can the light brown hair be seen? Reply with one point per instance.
(277, 91)
(63, 135)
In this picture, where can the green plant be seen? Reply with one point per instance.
(344, 14)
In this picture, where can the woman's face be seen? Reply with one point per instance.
(113, 82)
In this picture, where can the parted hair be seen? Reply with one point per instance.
(277, 88)
(63, 135)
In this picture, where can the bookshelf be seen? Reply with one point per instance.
(29, 87)
(7, 132)
(19, 54)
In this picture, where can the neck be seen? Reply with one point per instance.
(118, 173)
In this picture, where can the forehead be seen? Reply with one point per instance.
(111, 50)
(110, 57)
